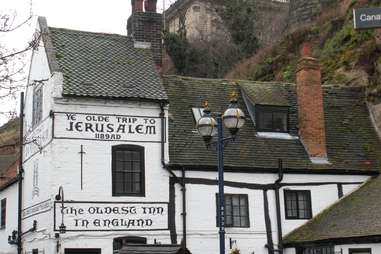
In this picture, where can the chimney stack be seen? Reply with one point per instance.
(310, 106)
(146, 27)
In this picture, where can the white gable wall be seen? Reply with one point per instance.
(10, 193)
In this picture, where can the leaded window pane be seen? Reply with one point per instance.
(128, 170)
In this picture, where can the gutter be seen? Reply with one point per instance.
(177, 180)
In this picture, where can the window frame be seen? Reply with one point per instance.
(357, 250)
(309, 204)
(37, 109)
(260, 108)
(139, 149)
(315, 248)
(3, 213)
(245, 196)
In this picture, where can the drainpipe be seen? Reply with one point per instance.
(184, 213)
(163, 134)
(20, 175)
(182, 182)
(277, 200)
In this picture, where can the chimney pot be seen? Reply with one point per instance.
(310, 105)
(137, 5)
(150, 5)
(306, 50)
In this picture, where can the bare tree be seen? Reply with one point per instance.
(12, 61)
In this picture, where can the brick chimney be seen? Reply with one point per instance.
(146, 27)
(310, 106)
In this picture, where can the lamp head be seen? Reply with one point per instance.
(207, 125)
(233, 118)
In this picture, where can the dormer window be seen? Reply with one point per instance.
(271, 118)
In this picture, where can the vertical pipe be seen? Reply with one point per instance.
(221, 194)
(184, 213)
(277, 203)
(20, 174)
(270, 244)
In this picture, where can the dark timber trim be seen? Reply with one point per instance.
(172, 211)
(270, 244)
(257, 170)
(340, 192)
(257, 186)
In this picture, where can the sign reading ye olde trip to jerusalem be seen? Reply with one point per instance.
(107, 127)
(105, 216)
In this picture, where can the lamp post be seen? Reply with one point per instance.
(233, 119)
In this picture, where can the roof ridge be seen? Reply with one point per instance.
(74, 31)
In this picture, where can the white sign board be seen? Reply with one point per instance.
(39, 208)
(37, 138)
(107, 127)
(111, 216)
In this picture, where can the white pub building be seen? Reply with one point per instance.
(112, 161)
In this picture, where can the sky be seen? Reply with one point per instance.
(89, 15)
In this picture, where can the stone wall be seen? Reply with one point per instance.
(271, 20)
(303, 12)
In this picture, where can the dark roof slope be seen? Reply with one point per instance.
(153, 249)
(357, 215)
(104, 65)
(352, 143)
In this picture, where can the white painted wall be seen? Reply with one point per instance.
(10, 194)
(202, 232)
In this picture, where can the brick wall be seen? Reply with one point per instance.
(147, 27)
(310, 106)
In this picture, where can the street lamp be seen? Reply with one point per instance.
(233, 119)
(60, 196)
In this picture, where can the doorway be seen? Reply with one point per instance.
(82, 251)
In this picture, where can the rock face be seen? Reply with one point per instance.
(303, 12)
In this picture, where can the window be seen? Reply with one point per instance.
(236, 210)
(37, 106)
(360, 251)
(317, 250)
(35, 251)
(3, 212)
(271, 118)
(196, 8)
(298, 204)
(123, 241)
(128, 170)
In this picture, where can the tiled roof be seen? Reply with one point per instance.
(357, 215)
(352, 142)
(104, 65)
(153, 249)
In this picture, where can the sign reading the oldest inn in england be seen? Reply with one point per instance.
(105, 216)
(107, 127)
